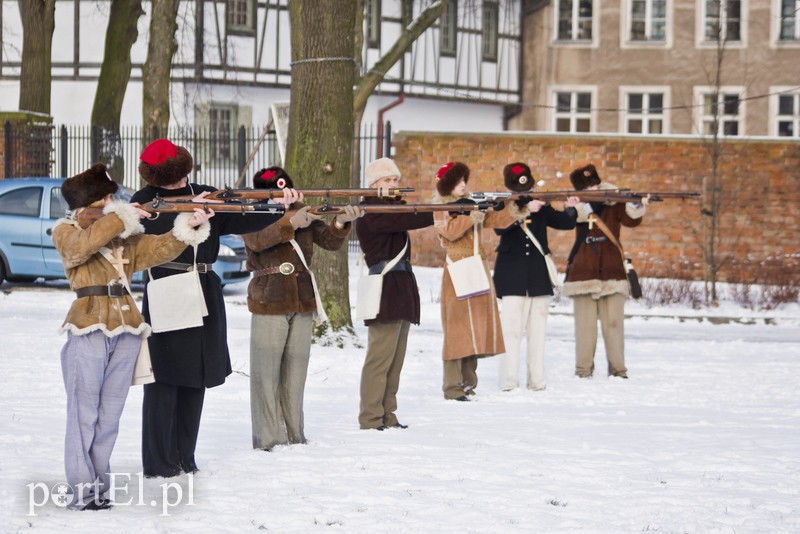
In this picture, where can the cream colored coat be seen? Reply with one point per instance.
(86, 266)
(471, 326)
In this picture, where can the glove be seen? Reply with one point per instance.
(303, 218)
(351, 213)
(477, 216)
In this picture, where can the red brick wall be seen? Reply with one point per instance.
(761, 187)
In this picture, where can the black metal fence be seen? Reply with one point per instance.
(47, 150)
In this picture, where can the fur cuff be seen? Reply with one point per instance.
(127, 214)
(597, 289)
(519, 214)
(635, 211)
(584, 210)
(188, 234)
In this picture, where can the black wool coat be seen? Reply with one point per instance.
(196, 357)
(519, 268)
(382, 236)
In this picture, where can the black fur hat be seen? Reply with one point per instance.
(517, 177)
(164, 163)
(272, 178)
(88, 187)
(584, 177)
(448, 176)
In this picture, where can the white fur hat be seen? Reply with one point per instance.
(381, 168)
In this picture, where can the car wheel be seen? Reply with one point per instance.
(2, 271)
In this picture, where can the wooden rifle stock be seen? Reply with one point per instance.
(601, 195)
(335, 209)
(179, 205)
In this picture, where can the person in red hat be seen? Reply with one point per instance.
(596, 278)
(187, 361)
(101, 244)
(283, 298)
(523, 281)
(471, 325)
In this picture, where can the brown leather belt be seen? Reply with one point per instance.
(177, 266)
(114, 289)
(286, 268)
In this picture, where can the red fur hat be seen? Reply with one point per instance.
(164, 163)
(448, 176)
(517, 177)
(272, 178)
(584, 177)
(88, 187)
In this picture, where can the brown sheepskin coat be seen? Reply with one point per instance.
(471, 326)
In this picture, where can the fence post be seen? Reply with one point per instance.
(387, 139)
(64, 146)
(154, 134)
(8, 151)
(242, 148)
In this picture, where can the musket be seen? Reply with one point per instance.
(268, 194)
(177, 205)
(463, 209)
(601, 195)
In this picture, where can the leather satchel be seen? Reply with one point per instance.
(469, 274)
(370, 289)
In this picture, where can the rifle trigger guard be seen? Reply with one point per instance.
(154, 215)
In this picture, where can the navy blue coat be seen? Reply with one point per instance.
(520, 269)
(196, 357)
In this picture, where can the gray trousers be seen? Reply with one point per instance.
(280, 347)
(460, 377)
(380, 376)
(97, 374)
(610, 310)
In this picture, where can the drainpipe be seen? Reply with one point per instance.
(381, 111)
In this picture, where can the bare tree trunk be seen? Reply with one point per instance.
(114, 75)
(156, 74)
(38, 23)
(320, 137)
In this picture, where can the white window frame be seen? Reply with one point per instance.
(445, 28)
(490, 30)
(249, 27)
(594, 42)
(372, 33)
(776, 93)
(645, 115)
(699, 114)
(573, 115)
(775, 31)
(625, 27)
(701, 40)
(214, 145)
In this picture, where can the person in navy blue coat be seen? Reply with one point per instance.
(523, 281)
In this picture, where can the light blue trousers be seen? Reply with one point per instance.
(97, 376)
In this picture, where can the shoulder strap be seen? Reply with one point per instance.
(395, 260)
(320, 314)
(594, 219)
(532, 237)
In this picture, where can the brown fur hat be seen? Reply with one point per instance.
(272, 178)
(517, 177)
(448, 176)
(164, 163)
(584, 177)
(88, 187)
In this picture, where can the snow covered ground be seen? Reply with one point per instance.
(704, 437)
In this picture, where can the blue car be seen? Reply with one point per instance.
(30, 207)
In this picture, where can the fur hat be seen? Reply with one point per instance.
(448, 176)
(88, 187)
(164, 163)
(272, 178)
(518, 177)
(381, 168)
(584, 177)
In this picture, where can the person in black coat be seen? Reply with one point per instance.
(185, 362)
(524, 281)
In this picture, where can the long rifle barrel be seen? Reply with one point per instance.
(178, 205)
(334, 209)
(602, 195)
(269, 194)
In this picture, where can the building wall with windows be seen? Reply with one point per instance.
(651, 66)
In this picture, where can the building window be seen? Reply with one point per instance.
(573, 111)
(648, 20)
(448, 30)
(374, 23)
(221, 125)
(726, 106)
(240, 17)
(790, 20)
(489, 35)
(574, 20)
(723, 20)
(788, 116)
(644, 113)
